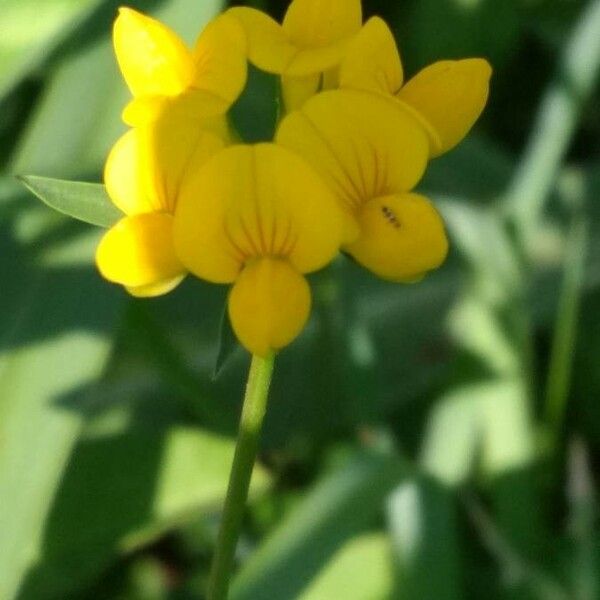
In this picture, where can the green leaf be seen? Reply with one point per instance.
(508, 461)
(454, 29)
(424, 525)
(361, 570)
(122, 490)
(87, 202)
(30, 29)
(228, 343)
(477, 169)
(56, 324)
(483, 240)
(38, 436)
(61, 139)
(487, 426)
(338, 508)
(453, 434)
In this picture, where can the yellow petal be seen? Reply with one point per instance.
(138, 251)
(197, 104)
(269, 305)
(144, 170)
(402, 238)
(295, 203)
(251, 201)
(281, 207)
(311, 61)
(318, 23)
(364, 145)
(143, 110)
(153, 59)
(451, 95)
(177, 137)
(331, 79)
(268, 47)
(220, 56)
(372, 62)
(127, 182)
(201, 239)
(296, 91)
(157, 289)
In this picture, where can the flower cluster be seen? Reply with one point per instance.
(353, 142)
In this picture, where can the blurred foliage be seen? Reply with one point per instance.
(437, 441)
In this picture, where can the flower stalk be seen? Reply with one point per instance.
(253, 412)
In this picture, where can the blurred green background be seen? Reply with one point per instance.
(436, 441)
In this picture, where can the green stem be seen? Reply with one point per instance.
(253, 412)
(554, 129)
(565, 333)
(556, 124)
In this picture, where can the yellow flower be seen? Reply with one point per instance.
(371, 152)
(306, 48)
(180, 100)
(158, 66)
(142, 175)
(258, 217)
(449, 96)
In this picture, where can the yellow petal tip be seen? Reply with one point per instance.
(450, 95)
(269, 305)
(138, 252)
(152, 57)
(127, 11)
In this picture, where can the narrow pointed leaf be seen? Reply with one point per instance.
(87, 202)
